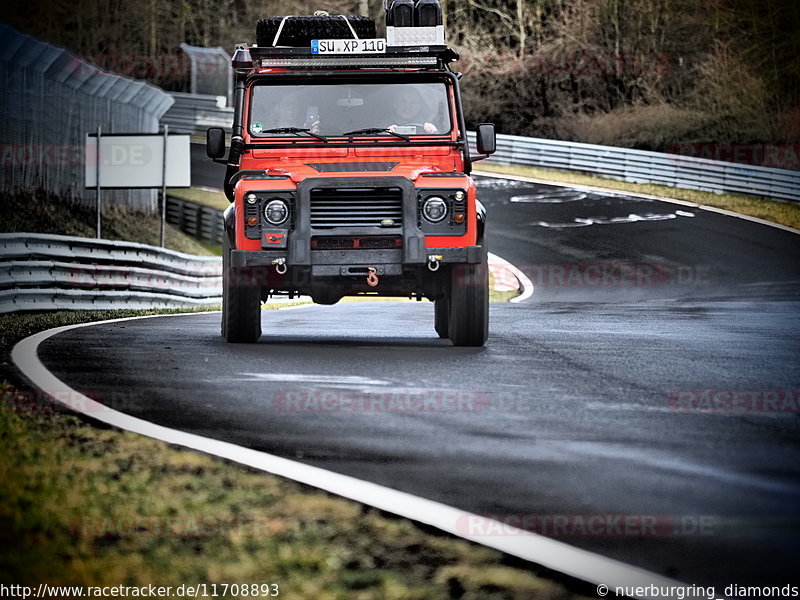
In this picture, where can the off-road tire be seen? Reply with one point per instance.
(468, 323)
(241, 303)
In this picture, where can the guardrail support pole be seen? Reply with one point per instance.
(164, 188)
(97, 158)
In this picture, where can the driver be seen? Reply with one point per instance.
(285, 112)
(410, 109)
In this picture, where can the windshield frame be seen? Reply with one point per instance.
(453, 137)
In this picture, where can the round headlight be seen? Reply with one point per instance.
(276, 212)
(434, 209)
(251, 198)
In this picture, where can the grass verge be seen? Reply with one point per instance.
(495, 296)
(783, 213)
(39, 212)
(83, 505)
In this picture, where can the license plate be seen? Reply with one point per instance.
(371, 46)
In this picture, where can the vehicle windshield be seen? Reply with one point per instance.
(402, 109)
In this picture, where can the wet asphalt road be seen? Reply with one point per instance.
(584, 402)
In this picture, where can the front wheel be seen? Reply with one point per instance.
(241, 302)
(468, 309)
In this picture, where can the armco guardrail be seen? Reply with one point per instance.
(639, 166)
(203, 222)
(53, 272)
(194, 113)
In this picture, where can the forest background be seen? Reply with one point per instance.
(648, 74)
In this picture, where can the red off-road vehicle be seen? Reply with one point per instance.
(348, 173)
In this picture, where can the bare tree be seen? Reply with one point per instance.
(540, 67)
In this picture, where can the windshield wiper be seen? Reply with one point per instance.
(296, 130)
(369, 130)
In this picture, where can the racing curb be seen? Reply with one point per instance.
(507, 278)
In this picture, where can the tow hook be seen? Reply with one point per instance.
(433, 262)
(280, 265)
(372, 278)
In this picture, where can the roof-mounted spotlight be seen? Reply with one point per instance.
(242, 62)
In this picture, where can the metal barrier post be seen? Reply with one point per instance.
(97, 225)
(164, 187)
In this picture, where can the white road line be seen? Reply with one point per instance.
(552, 554)
(600, 190)
(305, 378)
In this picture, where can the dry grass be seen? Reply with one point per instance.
(653, 127)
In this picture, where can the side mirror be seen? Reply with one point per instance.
(215, 142)
(486, 139)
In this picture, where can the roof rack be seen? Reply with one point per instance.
(394, 57)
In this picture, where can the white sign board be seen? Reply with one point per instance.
(137, 161)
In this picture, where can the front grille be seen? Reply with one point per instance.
(352, 166)
(375, 242)
(356, 207)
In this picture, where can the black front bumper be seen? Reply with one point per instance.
(391, 260)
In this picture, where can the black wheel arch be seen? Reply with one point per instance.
(480, 213)
(229, 224)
